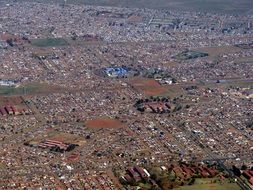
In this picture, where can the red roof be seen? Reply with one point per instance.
(141, 171)
(251, 181)
(3, 111)
(251, 172)
(8, 109)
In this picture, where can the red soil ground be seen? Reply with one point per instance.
(104, 123)
(149, 87)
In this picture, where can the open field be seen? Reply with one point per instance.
(216, 51)
(82, 42)
(28, 89)
(103, 123)
(65, 137)
(228, 83)
(245, 46)
(59, 136)
(190, 55)
(228, 6)
(204, 184)
(10, 91)
(54, 42)
(49, 42)
(149, 87)
(244, 60)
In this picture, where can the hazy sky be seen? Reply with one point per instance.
(228, 6)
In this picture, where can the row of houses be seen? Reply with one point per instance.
(54, 145)
(186, 172)
(157, 107)
(183, 172)
(135, 174)
(248, 174)
(12, 110)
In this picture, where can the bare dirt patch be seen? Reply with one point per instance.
(149, 87)
(104, 123)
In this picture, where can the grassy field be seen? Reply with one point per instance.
(204, 184)
(56, 42)
(49, 42)
(28, 89)
(190, 55)
(231, 6)
(8, 91)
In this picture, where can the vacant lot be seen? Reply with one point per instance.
(103, 123)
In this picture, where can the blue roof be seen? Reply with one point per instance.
(116, 70)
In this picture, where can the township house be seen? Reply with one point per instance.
(12, 110)
(248, 174)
